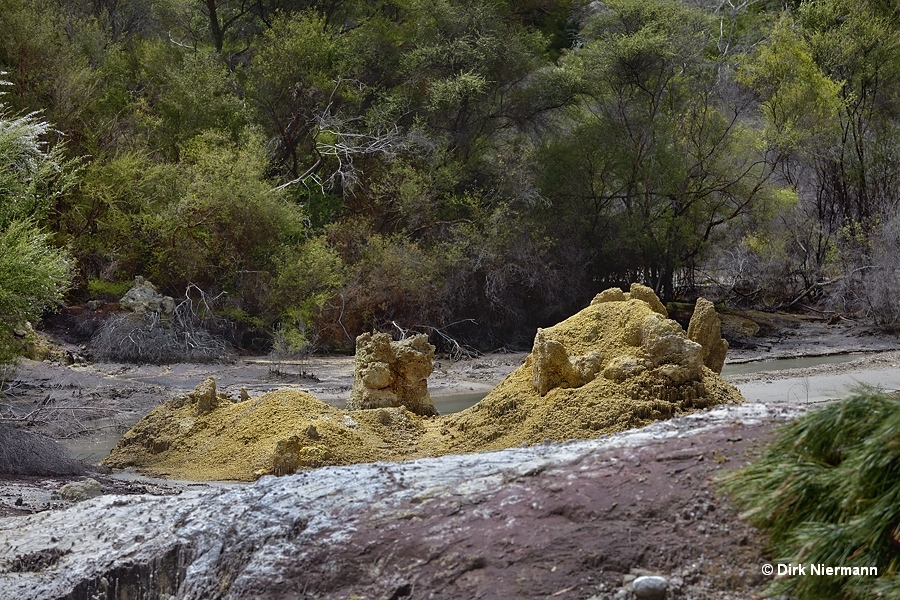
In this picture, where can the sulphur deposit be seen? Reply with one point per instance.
(618, 364)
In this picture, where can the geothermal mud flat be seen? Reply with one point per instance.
(570, 519)
(618, 364)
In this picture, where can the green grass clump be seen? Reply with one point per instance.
(828, 491)
(108, 290)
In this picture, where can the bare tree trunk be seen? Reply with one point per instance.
(215, 28)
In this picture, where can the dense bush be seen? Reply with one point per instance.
(33, 273)
(522, 156)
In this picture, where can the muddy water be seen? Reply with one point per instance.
(811, 389)
(780, 364)
(457, 402)
(813, 380)
(93, 448)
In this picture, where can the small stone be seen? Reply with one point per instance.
(81, 490)
(650, 587)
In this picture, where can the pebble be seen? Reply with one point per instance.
(81, 490)
(650, 587)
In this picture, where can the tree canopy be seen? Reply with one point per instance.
(473, 168)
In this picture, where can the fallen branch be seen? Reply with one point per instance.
(457, 351)
(822, 284)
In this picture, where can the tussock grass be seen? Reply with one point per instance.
(828, 491)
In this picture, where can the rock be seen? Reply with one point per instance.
(349, 531)
(143, 298)
(651, 370)
(81, 490)
(552, 367)
(642, 292)
(665, 343)
(204, 396)
(650, 587)
(637, 291)
(392, 374)
(610, 295)
(621, 368)
(705, 328)
(588, 365)
(295, 453)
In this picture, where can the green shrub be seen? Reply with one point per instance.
(33, 274)
(828, 491)
(390, 281)
(308, 275)
(33, 277)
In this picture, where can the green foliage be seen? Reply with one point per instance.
(506, 148)
(858, 44)
(33, 274)
(799, 102)
(828, 491)
(223, 218)
(33, 277)
(298, 73)
(308, 276)
(393, 279)
(108, 290)
(109, 220)
(195, 94)
(31, 175)
(652, 203)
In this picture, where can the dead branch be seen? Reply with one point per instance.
(30, 453)
(456, 350)
(822, 284)
(185, 336)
